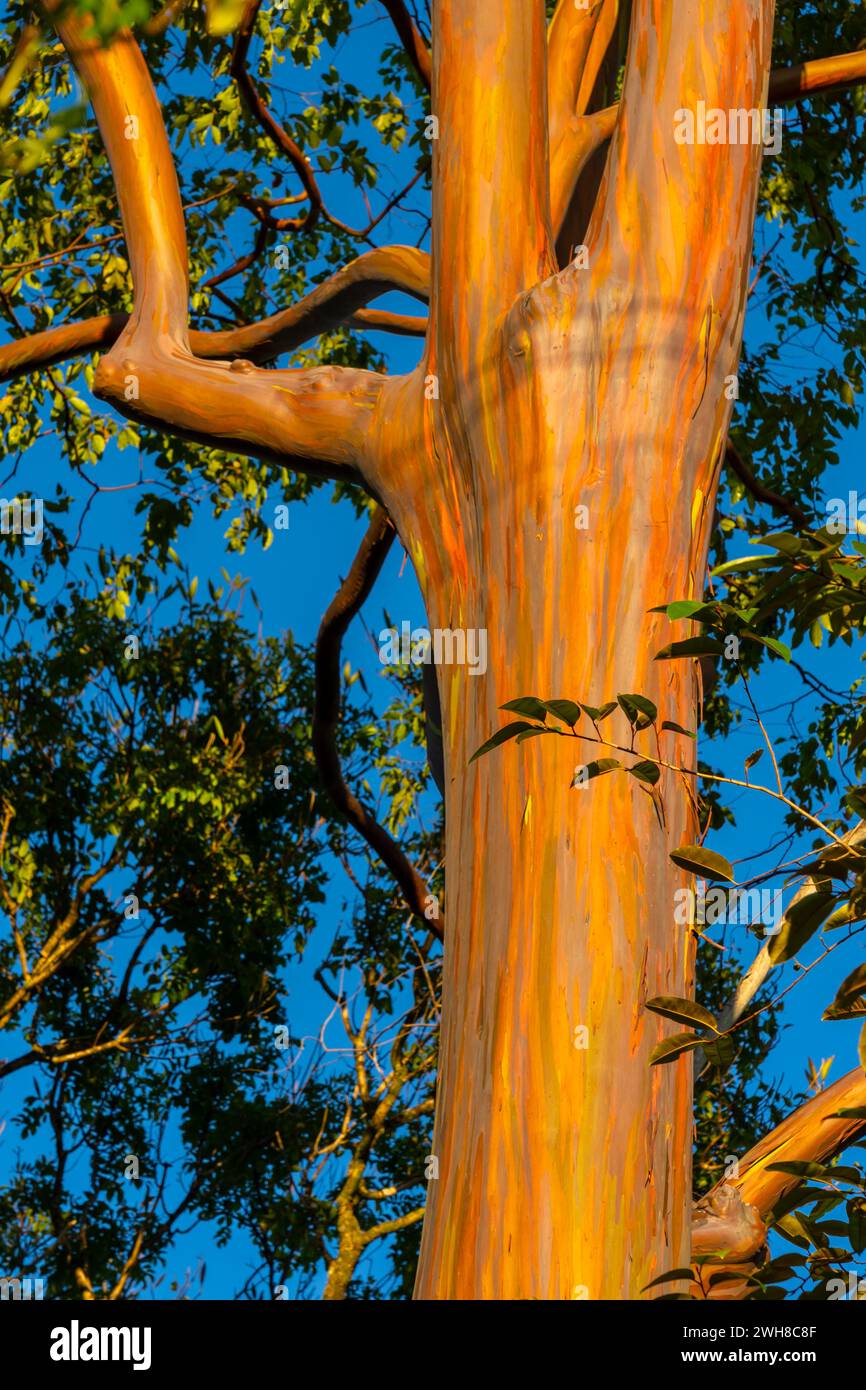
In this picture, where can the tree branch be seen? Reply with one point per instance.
(602, 37)
(490, 99)
(40, 350)
(352, 593)
(743, 470)
(731, 1221)
(411, 39)
(279, 137)
(580, 137)
(339, 299)
(719, 54)
(380, 321)
(569, 36)
(761, 966)
(820, 77)
(576, 141)
(317, 420)
(812, 1134)
(284, 142)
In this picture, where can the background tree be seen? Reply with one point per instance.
(552, 388)
(151, 993)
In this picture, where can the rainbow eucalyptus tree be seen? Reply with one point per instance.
(551, 466)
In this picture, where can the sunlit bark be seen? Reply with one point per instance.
(316, 419)
(604, 388)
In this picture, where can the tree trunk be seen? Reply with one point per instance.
(563, 1169)
(561, 1152)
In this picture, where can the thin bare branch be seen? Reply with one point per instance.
(351, 595)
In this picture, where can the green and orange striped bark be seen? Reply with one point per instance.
(565, 1171)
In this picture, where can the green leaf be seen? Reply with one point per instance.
(753, 758)
(532, 733)
(704, 862)
(566, 710)
(858, 738)
(792, 1227)
(597, 714)
(528, 705)
(677, 728)
(691, 646)
(774, 645)
(724, 1276)
(682, 1010)
(800, 922)
(856, 1209)
(502, 736)
(798, 1196)
(646, 772)
(669, 1049)
(720, 1051)
(849, 1001)
(836, 862)
(223, 16)
(852, 986)
(745, 565)
(805, 1169)
(835, 1014)
(784, 541)
(598, 768)
(686, 608)
(636, 705)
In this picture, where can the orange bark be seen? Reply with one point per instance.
(316, 419)
(604, 388)
(812, 1134)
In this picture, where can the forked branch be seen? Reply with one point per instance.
(575, 137)
(316, 420)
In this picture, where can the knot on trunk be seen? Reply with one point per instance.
(725, 1226)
